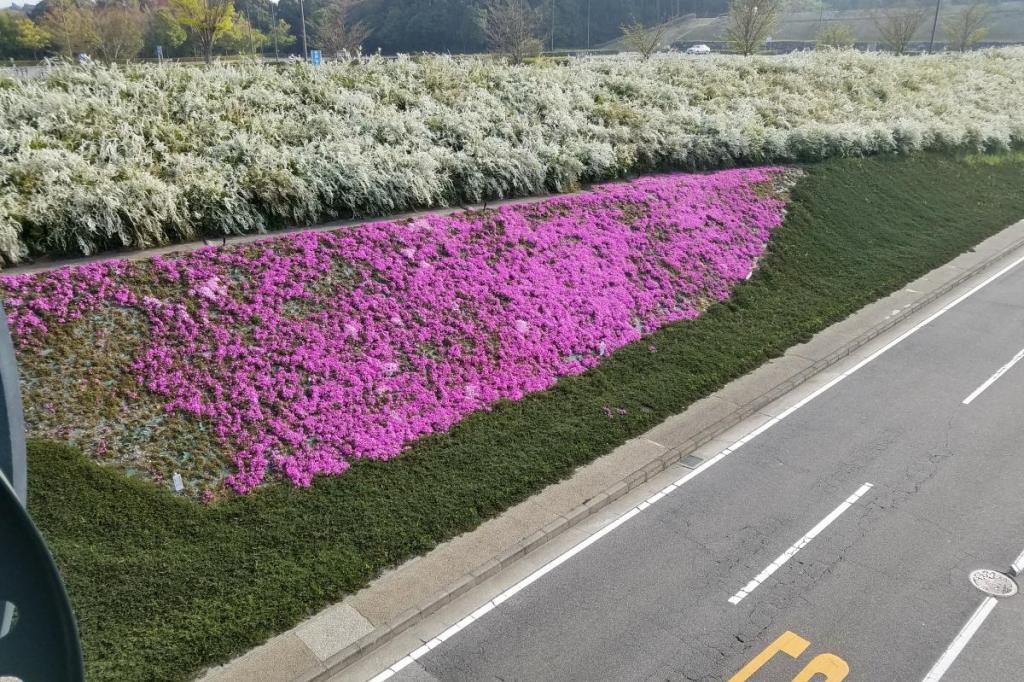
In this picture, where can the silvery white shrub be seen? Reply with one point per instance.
(141, 155)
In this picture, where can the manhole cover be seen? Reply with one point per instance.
(993, 582)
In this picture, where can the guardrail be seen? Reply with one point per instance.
(38, 635)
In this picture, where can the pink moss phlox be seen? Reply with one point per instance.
(311, 350)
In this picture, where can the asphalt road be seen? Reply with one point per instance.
(881, 589)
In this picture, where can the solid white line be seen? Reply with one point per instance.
(992, 379)
(963, 637)
(558, 561)
(781, 560)
(1018, 564)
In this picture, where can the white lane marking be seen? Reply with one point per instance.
(992, 379)
(558, 561)
(1018, 564)
(798, 545)
(960, 641)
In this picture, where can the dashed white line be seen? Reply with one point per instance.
(960, 641)
(992, 379)
(465, 622)
(1018, 564)
(798, 545)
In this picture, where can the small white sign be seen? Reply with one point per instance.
(179, 484)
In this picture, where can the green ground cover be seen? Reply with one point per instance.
(163, 586)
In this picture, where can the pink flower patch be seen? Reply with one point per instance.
(300, 371)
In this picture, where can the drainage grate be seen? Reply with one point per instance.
(993, 582)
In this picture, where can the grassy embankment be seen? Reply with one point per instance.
(163, 586)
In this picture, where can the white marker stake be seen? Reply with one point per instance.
(963, 637)
(992, 379)
(798, 545)
(179, 484)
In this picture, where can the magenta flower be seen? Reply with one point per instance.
(311, 350)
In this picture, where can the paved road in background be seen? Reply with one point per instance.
(882, 586)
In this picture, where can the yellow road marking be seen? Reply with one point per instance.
(831, 666)
(793, 645)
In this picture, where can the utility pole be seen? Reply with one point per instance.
(588, 24)
(552, 25)
(935, 22)
(248, 24)
(302, 17)
(273, 20)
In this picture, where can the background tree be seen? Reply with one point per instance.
(967, 26)
(335, 32)
(750, 23)
(897, 25)
(164, 30)
(242, 37)
(8, 34)
(836, 35)
(119, 29)
(70, 26)
(644, 40)
(205, 20)
(27, 36)
(280, 36)
(511, 27)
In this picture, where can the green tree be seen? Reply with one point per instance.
(8, 34)
(206, 20)
(280, 35)
(967, 26)
(164, 30)
(639, 38)
(835, 35)
(242, 37)
(31, 37)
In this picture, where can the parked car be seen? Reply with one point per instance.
(698, 49)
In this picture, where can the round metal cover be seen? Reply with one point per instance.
(993, 582)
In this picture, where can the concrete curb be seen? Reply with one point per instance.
(838, 343)
(672, 456)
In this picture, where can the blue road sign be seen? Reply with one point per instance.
(314, 57)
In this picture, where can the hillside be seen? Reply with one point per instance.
(1006, 25)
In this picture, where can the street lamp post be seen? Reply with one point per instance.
(273, 24)
(588, 24)
(935, 22)
(552, 25)
(302, 17)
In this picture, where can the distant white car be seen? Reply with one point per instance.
(698, 49)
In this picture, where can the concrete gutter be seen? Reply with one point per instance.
(46, 263)
(336, 638)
